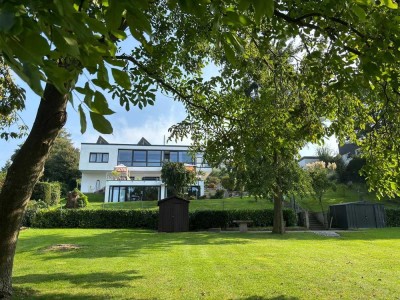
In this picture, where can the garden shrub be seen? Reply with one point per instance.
(219, 194)
(392, 217)
(42, 191)
(31, 211)
(55, 193)
(148, 219)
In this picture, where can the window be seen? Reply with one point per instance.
(139, 158)
(154, 158)
(133, 193)
(125, 157)
(98, 157)
(185, 157)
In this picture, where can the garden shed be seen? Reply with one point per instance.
(173, 214)
(357, 215)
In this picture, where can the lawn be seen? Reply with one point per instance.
(205, 204)
(138, 264)
(344, 194)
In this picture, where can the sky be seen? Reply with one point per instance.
(152, 123)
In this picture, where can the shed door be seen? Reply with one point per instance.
(178, 217)
(366, 216)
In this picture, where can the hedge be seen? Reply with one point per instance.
(42, 191)
(148, 219)
(392, 217)
(55, 193)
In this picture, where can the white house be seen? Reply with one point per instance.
(305, 160)
(129, 172)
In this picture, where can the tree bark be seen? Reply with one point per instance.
(279, 223)
(23, 174)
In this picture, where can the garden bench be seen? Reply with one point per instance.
(242, 224)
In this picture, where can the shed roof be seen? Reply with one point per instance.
(171, 198)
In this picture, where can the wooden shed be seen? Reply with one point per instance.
(357, 215)
(173, 214)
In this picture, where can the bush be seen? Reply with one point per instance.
(219, 194)
(42, 191)
(31, 211)
(203, 197)
(73, 218)
(55, 193)
(148, 219)
(392, 217)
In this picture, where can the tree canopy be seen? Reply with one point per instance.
(346, 55)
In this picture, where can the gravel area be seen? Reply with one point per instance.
(326, 233)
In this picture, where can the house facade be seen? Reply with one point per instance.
(131, 172)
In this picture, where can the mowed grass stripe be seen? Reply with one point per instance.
(139, 264)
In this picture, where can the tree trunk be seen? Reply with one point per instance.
(279, 223)
(23, 174)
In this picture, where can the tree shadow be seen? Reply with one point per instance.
(131, 243)
(89, 280)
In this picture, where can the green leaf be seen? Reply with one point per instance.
(100, 123)
(33, 76)
(100, 105)
(390, 4)
(7, 20)
(121, 78)
(263, 8)
(229, 53)
(82, 118)
(359, 12)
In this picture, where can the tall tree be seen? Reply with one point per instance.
(63, 162)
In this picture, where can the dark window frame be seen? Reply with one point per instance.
(99, 157)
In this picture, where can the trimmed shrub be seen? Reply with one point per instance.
(392, 217)
(55, 193)
(42, 191)
(219, 194)
(148, 219)
(31, 211)
(72, 218)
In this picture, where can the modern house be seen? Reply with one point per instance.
(130, 172)
(348, 150)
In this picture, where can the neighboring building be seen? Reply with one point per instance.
(129, 172)
(307, 160)
(347, 151)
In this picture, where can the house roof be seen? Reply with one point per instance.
(101, 140)
(348, 148)
(308, 157)
(143, 142)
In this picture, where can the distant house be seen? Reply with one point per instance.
(307, 160)
(129, 172)
(347, 151)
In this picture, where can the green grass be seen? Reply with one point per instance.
(134, 264)
(205, 204)
(344, 194)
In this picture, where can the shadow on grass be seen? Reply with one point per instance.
(89, 280)
(131, 243)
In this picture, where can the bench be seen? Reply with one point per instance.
(242, 224)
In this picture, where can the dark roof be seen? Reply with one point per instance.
(171, 198)
(356, 203)
(143, 142)
(308, 157)
(348, 148)
(101, 140)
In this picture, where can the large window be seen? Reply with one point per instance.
(133, 193)
(178, 156)
(139, 158)
(154, 158)
(98, 157)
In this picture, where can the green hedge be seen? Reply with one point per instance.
(55, 193)
(392, 217)
(42, 191)
(148, 219)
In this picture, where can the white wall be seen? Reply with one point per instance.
(89, 180)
